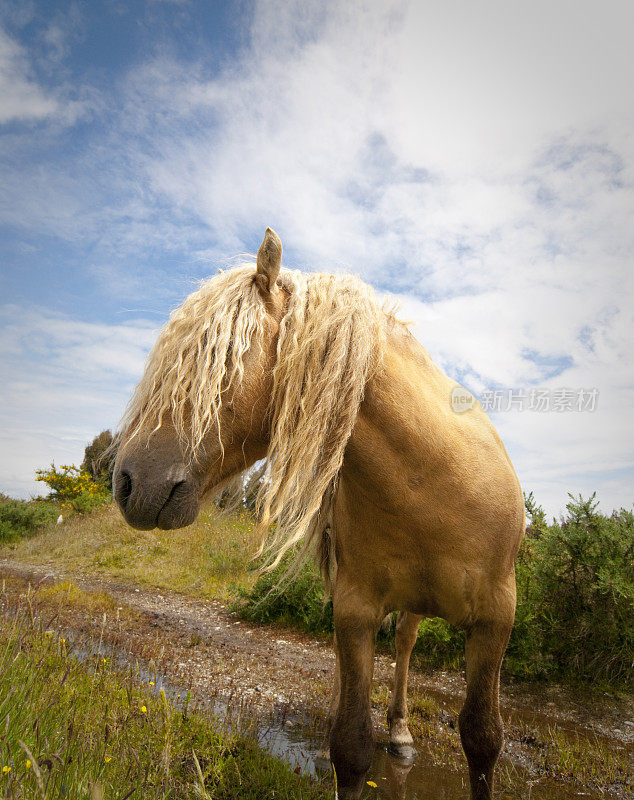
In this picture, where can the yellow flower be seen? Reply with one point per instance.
(372, 784)
(6, 769)
(28, 763)
(151, 683)
(107, 759)
(143, 710)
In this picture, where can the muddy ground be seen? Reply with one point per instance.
(262, 670)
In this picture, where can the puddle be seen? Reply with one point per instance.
(291, 738)
(297, 743)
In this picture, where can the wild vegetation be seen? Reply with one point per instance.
(74, 726)
(574, 623)
(119, 625)
(99, 458)
(72, 490)
(575, 612)
(19, 518)
(575, 576)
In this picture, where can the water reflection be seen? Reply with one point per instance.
(298, 744)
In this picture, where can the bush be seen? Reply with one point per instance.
(74, 488)
(19, 518)
(576, 596)
(439, 643)
(575, 593)
(99, 458)
(299, 603)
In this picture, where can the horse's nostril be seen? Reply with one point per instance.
(124, 488)
(177, 489)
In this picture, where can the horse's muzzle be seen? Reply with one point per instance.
(167, 501)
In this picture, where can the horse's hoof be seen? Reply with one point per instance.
(404, 752)
(322, 757)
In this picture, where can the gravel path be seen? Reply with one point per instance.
(207, 647)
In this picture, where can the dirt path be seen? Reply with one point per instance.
(201, 644)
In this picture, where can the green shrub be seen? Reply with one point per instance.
(99, 458)
(575, 601)
(299, 603)
(575, 612)
(439, 643)
(20, 518)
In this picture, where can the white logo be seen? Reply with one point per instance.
(461, 399)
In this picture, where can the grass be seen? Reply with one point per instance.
(79, 728)
(212, 557)
(574, 758)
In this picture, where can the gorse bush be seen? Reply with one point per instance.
(439, 643)
(575, 601)
(576, 595)
(20, 518)
(74, 488)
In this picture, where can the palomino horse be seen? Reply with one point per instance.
(411, 506)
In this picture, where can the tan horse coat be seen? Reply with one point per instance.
(427, 519)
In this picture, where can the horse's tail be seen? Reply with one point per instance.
(325, 553)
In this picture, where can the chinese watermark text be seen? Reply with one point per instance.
(539, 400)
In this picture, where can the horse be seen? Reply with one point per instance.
(408, 505)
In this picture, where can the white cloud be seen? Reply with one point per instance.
(480, 85)
(64, 381)
(476, 160)
(20, 96)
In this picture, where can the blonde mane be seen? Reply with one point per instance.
(329, 341)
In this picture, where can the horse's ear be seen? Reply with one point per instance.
(269, 261)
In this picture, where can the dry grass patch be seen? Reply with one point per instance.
(68, 595)
(210, 557)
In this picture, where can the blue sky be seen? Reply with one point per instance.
(475, 161)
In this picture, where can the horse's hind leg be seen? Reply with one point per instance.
(401, 741)
(480, 722)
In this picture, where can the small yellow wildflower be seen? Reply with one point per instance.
(143, 710)
(6, 769)
(47, 634)
(28, 763)
(372, 784)
(107, 759)
(151, 683)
